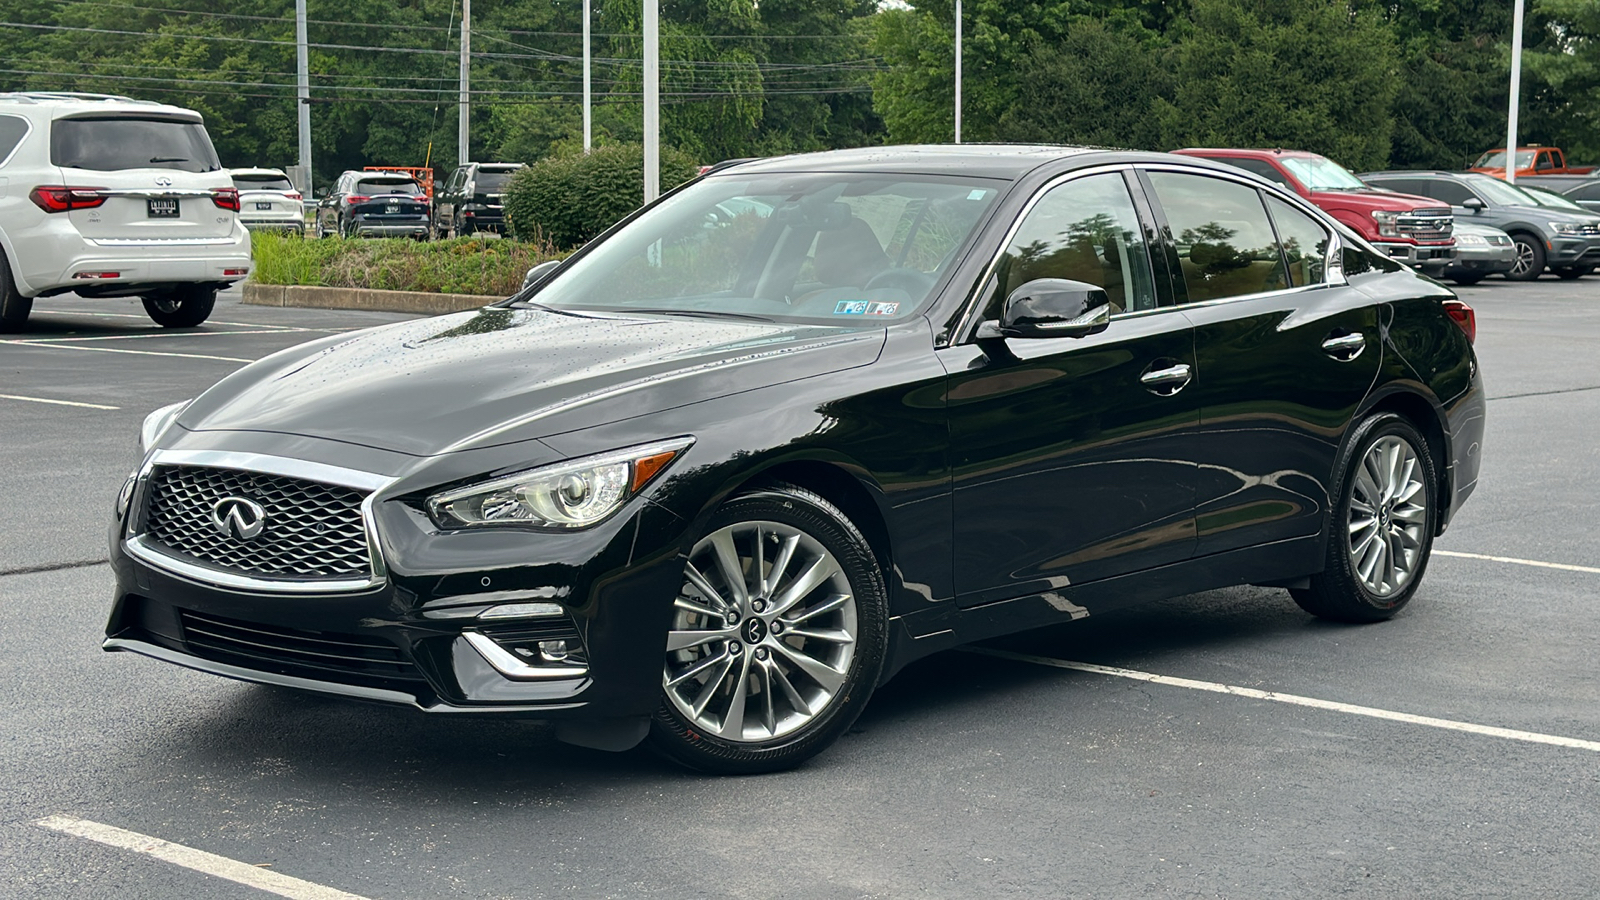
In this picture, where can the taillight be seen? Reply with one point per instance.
(226, 198)
(54, 198)
(292, 195)
(358, 198)
(1462, 315)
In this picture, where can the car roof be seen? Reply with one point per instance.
(1254, 152)
(254, 171)
(69, 104)
(495, 165)
(1009, 161)
(1435, 172)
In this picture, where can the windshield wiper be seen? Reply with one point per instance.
(698, 313)
(161, 159)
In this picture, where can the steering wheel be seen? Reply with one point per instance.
(914, 283)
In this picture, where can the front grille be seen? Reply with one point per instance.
(1589, 228)
(292, 651)
(313, 531)
(1426, 224)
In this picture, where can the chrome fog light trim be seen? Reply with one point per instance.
(522, 611)
(510, 666)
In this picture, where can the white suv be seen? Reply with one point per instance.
(113, 197)
(268, 201)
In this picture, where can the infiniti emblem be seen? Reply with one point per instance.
(755, 630)
(238, 518)
(164, 181)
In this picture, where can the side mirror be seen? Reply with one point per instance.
(537, 273)
(1474, 204)
(1051, 308)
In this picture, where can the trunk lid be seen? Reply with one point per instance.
(157, 173)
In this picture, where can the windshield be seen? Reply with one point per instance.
(492, 181)
(1550, 198)
(1498, 192)
(262, 183)
(836, 248)
(110, 145)
(1318, 173)
(386, 186)
(1496, 159)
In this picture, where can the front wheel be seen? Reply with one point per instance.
(183, 307)
(1467, 280)
(1529, 264)
(1568, 273)
(777, 638)
(1380, 533)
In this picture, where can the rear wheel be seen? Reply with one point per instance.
(14, 308)
(1529, 263)
(1381, 528)
(183, 307)
(777, 637)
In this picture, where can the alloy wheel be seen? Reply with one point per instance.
(1387, 516)
(763, 634)
(1525, 259)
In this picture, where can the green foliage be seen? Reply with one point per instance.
(492, 268)
(567, 200)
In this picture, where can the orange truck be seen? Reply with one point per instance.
(1530, 160)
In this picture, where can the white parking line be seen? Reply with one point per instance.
(140, 337)
(57, 402)
(1532, 737)
(115, 350)
(197, 860)
(106, 315)
(1521, 562)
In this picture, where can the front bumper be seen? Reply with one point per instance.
(1569, 250)
(1488, 259)
(1430, 258)
(413, 634)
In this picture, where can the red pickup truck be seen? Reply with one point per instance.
(1414, 230)
(1531, 160)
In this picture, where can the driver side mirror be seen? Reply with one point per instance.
(1474, 204)
(1051, 308)
(538, 273)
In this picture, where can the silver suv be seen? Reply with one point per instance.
(113, 197)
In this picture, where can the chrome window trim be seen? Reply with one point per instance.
(136, 545)
(20, 141)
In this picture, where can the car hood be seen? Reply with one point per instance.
(1375, 199)
(499, 375)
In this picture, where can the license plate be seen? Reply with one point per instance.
(265, 206)
(392, 208)
(163, 207)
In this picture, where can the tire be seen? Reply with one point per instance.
(1467, 280)
(797, 693)
(1386, 467)
(1530, 258)
(1569, 273)
(183, 307)
(347, 229)
(14, 308)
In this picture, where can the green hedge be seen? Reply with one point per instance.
(567, 200)
(493, 268)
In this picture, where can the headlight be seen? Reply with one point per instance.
(1388, 222)
(567, 496)
(157, 423)
(1473, 239)
(1566, 228)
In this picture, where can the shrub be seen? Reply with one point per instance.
(492, 268)
(567, 200)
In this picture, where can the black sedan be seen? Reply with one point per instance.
(731, 466)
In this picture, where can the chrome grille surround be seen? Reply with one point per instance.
(1426, 224)
(170, 526)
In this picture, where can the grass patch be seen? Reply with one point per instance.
(492, 268)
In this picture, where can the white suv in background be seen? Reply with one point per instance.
(268, 201)
(114, 197)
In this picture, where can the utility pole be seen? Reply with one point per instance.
(958, 71)
(1516, 91)
(587, 119)
(652, 101)
(302, 96)
(462, 155)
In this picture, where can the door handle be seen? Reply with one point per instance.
(1168, 381)
(1345, 347)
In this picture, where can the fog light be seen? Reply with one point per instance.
(521, 611)
(553, 651)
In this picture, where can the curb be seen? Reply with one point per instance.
(360, 298)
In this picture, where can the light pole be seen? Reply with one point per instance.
(1516, 90)
(958, 71)
(587, 119)
(302, 94)
(652, 101)
(466, 61)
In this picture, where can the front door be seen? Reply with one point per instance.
(1284, 357)
(1068, 456)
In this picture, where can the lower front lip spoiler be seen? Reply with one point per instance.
(354, 691)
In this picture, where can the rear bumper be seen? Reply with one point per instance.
(287, 226)
(362, 226)
(56, 258)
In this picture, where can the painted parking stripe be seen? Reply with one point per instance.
(1532, 737)
(106, 315)
(142, 337)
(1566, 567)
(197, 860)
(118, 350)
(57, 402)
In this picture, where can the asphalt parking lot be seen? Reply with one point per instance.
(1454, 751)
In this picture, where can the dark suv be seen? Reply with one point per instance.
(472, 199)
(1566, 242)
(374, 204)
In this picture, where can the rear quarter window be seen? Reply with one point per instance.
(113, 144)
(12, 130)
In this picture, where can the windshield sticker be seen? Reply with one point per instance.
(850, 308)
(977, 194)
(883, 309)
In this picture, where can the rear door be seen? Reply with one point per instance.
(1284, 355)
(159, 175)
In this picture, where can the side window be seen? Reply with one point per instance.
(1545, 162)
(1415, 186)
(1450, 192)
(1304, 240)
(12, 131)
(1085, 230)
(1589, 191)
(1226, 247)
(1260, 167)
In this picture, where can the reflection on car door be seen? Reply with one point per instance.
(1284, 358)
(1067, 467)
